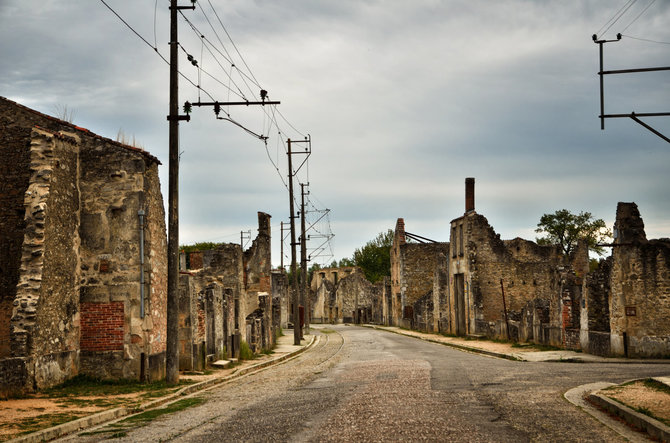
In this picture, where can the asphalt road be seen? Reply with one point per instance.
(360, 384)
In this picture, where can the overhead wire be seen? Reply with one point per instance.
(155, 48)
(270, 119)
(617, 15)
(638, 16)
(646, 39)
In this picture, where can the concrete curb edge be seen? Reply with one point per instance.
(453, 345)
(651, 426)
(113, 414)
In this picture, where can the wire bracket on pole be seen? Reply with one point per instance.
(633, 115)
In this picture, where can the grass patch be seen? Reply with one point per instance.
(152, 414)
(536, 346)
(327, 331)
(656, 385)
(86, 386)
(32, 424)
(245, 351)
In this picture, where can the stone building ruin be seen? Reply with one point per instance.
(479, 285)
(344, 295)
(228, 295)
(82, 255)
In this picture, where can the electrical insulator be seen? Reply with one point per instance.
(217, 108)
(187, 108)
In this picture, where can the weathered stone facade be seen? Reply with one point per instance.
(541, 288)
(639, 304)
(71, 265)
(344, 295)
(415, 272)
(519, 290)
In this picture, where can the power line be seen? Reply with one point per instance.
(615, 18)
(233, 43)
(646, 39)
(152, 47)
(638, 16)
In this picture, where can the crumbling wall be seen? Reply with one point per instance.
(413, 267)
(640, 289)
(354, 295)
(423, 310)
(155, 286)
(280, 296)
(114, 191)
(14, 179)
(258, 283)
(532, 277)
(320, 302)
(595, 319)
(45, 321)
(83, 242)
(399, 240)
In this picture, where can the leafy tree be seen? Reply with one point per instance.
(375, 257)
(346, 262)
(565, 229)
(200, 246)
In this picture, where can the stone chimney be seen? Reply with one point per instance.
(399, 233)
(469, 194)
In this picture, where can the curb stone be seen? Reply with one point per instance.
(520, 357)
(113, 414)
(651, 426)
(512, 357)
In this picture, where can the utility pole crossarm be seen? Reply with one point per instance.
(635, 116)
(244, 103)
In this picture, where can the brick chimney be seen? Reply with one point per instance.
(469, 194)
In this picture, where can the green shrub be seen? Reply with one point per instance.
(245, 351)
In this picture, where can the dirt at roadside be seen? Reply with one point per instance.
(22, 416)
(643, 396)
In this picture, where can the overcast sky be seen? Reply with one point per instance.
(403, 100)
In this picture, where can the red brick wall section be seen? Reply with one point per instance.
(102, 326)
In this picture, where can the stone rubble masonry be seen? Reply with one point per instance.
(639, 303)
(533, 277)
(236, 297)
(344, 295)
(69, 238)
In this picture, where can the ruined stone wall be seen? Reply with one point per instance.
(114, 189)
(399, 240)
(14, 179)
(320, 305)
(640, 289)
(190, 351)
(354, 295)
(333, 275)
(595, 318)
(258, 281)
(94, 190)
(280, 296)
(424, 310)
(155, 286)
(529, 273)
(45, 322)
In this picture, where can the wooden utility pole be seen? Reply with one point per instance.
(502, 289)
(297, 330)
(294, 273)
(304, 293)
(172, 349)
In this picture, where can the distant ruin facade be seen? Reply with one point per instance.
(227, 296)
